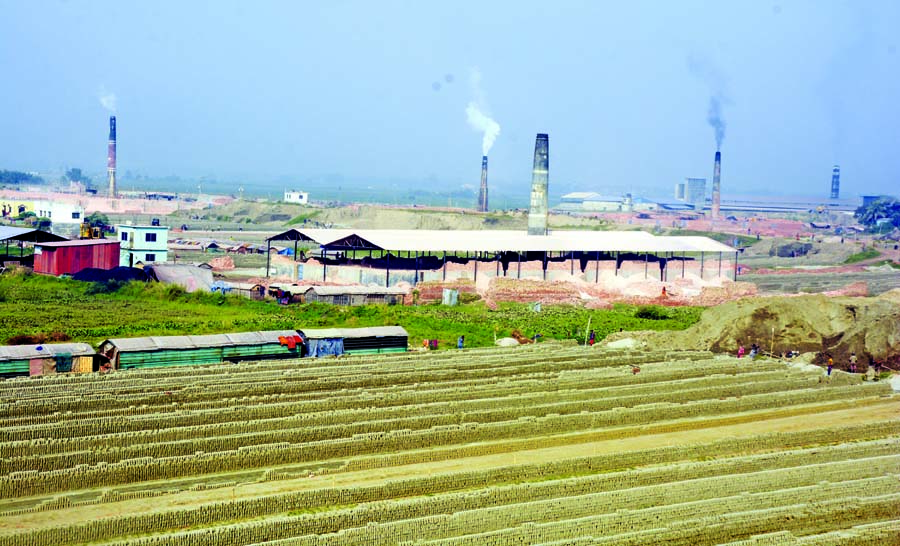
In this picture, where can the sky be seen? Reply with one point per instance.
(360, 93)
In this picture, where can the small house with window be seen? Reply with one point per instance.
(144, 244)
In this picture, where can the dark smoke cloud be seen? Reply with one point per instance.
(715, 120)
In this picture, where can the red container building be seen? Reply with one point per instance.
(70, 257)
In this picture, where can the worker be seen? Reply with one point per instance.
(853, 361)
(593, 337)
(460, 342)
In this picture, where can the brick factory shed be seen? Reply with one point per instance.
(388, 257)
(70, 257)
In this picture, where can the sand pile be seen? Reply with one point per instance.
(826, 326)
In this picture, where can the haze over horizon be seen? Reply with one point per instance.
(373, 93)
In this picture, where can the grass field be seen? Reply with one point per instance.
(551, 444)
(34, 304)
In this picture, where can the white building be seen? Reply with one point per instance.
(299, 197)
(59, 212)
(144, 244)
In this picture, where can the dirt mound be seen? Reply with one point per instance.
(828, 326)
(222, 263)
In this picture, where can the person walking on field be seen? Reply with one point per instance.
(740, 350)
(852, 362)
(592, 338)
(460, 342)
(830, 365)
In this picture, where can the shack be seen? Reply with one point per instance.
(165, 351)
(254, 291)
(355, 295)
(338, 341)
(46, 359)
(70, 257)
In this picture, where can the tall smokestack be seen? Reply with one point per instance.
(836, 182)
(111, 157)
(483, 192)
(537, 214)
(716, 187)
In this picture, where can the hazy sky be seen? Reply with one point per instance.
(379, 90)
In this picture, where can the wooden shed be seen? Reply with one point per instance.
(163, 351)
(355, 295)
(46, 359)
(337, 341)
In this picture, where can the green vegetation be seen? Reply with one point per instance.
(725, 238)
(886, 207)
(305, 217)
(33, 304)
(862, 256)
(17, 177)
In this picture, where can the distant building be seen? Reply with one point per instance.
(679, 191)
(595, 202)
(144, 244)
(695, 192)
(299, 197)
(70, 257)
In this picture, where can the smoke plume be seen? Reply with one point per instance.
(715, 120)
(705, 70)
(477, 114)
(107, 100)
(480, 121)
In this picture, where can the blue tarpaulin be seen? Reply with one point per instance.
(326, 347)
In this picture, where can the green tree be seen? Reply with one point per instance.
(97, 219)
(43, 224)
(886, 207)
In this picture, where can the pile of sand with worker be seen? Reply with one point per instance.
(826, 326)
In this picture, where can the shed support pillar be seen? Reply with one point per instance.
(268, 256)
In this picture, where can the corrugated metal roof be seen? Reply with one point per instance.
(507, 240)
(27, 235)
(20, 352)
(354, 290)
(374, 331)
(197, 342)
(79, 242)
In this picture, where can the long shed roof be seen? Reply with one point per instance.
(374, 331)
(501, 240)
(159, 343)
(48, 350)
(355, 290)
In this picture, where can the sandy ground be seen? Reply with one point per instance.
(882, 410)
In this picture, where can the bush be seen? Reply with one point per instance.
(652, 312)
(468, 297)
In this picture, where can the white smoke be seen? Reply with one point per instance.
(480, 121)
(107, 99)
(478, 117)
